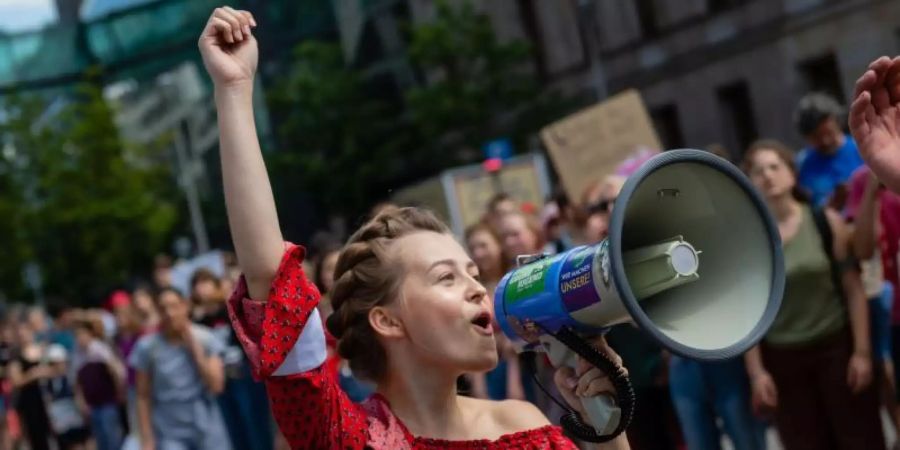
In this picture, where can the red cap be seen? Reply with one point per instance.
(117, 299)
(492, 165)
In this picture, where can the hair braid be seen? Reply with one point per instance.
(365, 277)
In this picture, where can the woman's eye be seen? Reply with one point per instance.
(447, 277)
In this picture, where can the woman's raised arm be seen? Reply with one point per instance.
(230, 55)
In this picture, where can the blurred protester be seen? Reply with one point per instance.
(162, 271)
(563, 222)
(243, 401)
(229, 280)
(100, 379)
(208, 303)
(129, 329)
(142, 300)
(703, 393)
(813, 370)
(179, 373)
(597, 201)
(875, 213)
(26, 371)
(40, 325)
(65, 408)
(830, 156)
(504, 381)
(498, 206)
(521, 235)
(7, 353)
(60, 331)
(486, 251)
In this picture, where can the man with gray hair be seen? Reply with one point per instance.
(831, 155)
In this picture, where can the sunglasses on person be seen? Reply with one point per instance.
(602, 207)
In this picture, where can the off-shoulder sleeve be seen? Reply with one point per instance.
(285, 343)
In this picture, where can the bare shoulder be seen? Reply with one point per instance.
(509, 415)
(520, 415)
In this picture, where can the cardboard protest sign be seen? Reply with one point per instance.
(474, 190)
(461, 195)
(590, 144)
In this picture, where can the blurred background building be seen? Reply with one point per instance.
(722, 71)
(709, 71)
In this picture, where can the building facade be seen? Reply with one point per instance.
(710, 71)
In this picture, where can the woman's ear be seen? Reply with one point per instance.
(385, 323)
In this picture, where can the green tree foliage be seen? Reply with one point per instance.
(473, 78)
(346, 144)
(89, 209)
(338, 142)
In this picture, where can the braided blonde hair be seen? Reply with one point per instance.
(366, 277)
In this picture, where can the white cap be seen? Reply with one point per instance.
(56, 353)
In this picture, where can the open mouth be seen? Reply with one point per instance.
(482, 323)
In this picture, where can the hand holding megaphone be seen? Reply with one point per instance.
(693, 258)
(584, 381)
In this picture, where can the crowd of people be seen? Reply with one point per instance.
(365, 341)
(153, 367)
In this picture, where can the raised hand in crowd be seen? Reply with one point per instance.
(875, 119)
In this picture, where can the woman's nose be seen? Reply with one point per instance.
(477, 292)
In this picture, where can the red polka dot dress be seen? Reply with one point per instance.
(285, 342)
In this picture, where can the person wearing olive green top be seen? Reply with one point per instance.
(813, 370)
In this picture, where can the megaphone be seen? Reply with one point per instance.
(693, 258)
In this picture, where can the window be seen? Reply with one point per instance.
(821, 74)
(530, 23)
(67, 11)
(736, 109)
(717, 6)
(668, 126)
(370, 49)
(646, 11)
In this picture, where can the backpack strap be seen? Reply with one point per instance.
(825, 233)
(837, 267)
(827, 236)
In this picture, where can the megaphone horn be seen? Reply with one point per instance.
(693, 258)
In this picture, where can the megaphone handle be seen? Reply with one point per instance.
(609, 418)
(602, 409)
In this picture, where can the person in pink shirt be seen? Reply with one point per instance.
(875, 213)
